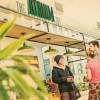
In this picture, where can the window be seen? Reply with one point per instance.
(58, 7)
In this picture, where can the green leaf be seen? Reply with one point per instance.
(32, 74)
(3, 93)
(7, 51)
(15, 73)
(21, 62)
(39, 94)
(20, 83)
(37, 80)
(19, 68)
(22, 86)
(26, 56)
(4, 29)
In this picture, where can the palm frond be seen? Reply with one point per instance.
(4, 29)
(7, 51)
(32, 74)
(3, 93)
(15, 73)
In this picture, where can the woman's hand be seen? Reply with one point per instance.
(70, 79)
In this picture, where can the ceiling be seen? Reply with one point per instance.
(82, 15)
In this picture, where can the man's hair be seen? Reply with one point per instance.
(94, 43)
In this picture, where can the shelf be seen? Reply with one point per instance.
(59, 40)
(41, 37)
(17, 30)
(80, 53)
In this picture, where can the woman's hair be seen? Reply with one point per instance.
(90, 53)
(57, 58)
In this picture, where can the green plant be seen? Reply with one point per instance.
(83, 86)
(15, 73)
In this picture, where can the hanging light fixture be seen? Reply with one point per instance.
(50, 50)
(68, 52)
(25, 47)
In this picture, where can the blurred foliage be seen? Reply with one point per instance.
(83, 86)
(11, 76)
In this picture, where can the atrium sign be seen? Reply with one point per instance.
(41, 10)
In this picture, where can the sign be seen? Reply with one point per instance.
(41, 10)
(30, 7)
(20, 7)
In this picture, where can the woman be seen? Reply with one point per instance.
(93, 76)
(62, 75)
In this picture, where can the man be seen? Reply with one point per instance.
(94, 46)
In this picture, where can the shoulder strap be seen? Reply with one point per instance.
(68, 70)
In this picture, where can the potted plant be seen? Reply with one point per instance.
(14, 73)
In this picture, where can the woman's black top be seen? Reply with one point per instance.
(60, 76)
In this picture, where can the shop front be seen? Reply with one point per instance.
(47, 35)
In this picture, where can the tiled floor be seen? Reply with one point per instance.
(57, 96)
(84, 97)
(81, 98)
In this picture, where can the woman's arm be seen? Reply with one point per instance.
(57, 79)
(88, 77)
(88, 72)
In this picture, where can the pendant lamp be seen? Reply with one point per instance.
(25, 47)
(68, 52)
(50, 50)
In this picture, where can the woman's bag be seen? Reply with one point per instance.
(77, 92)
(78, 95)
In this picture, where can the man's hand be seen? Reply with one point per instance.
(85, 79)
